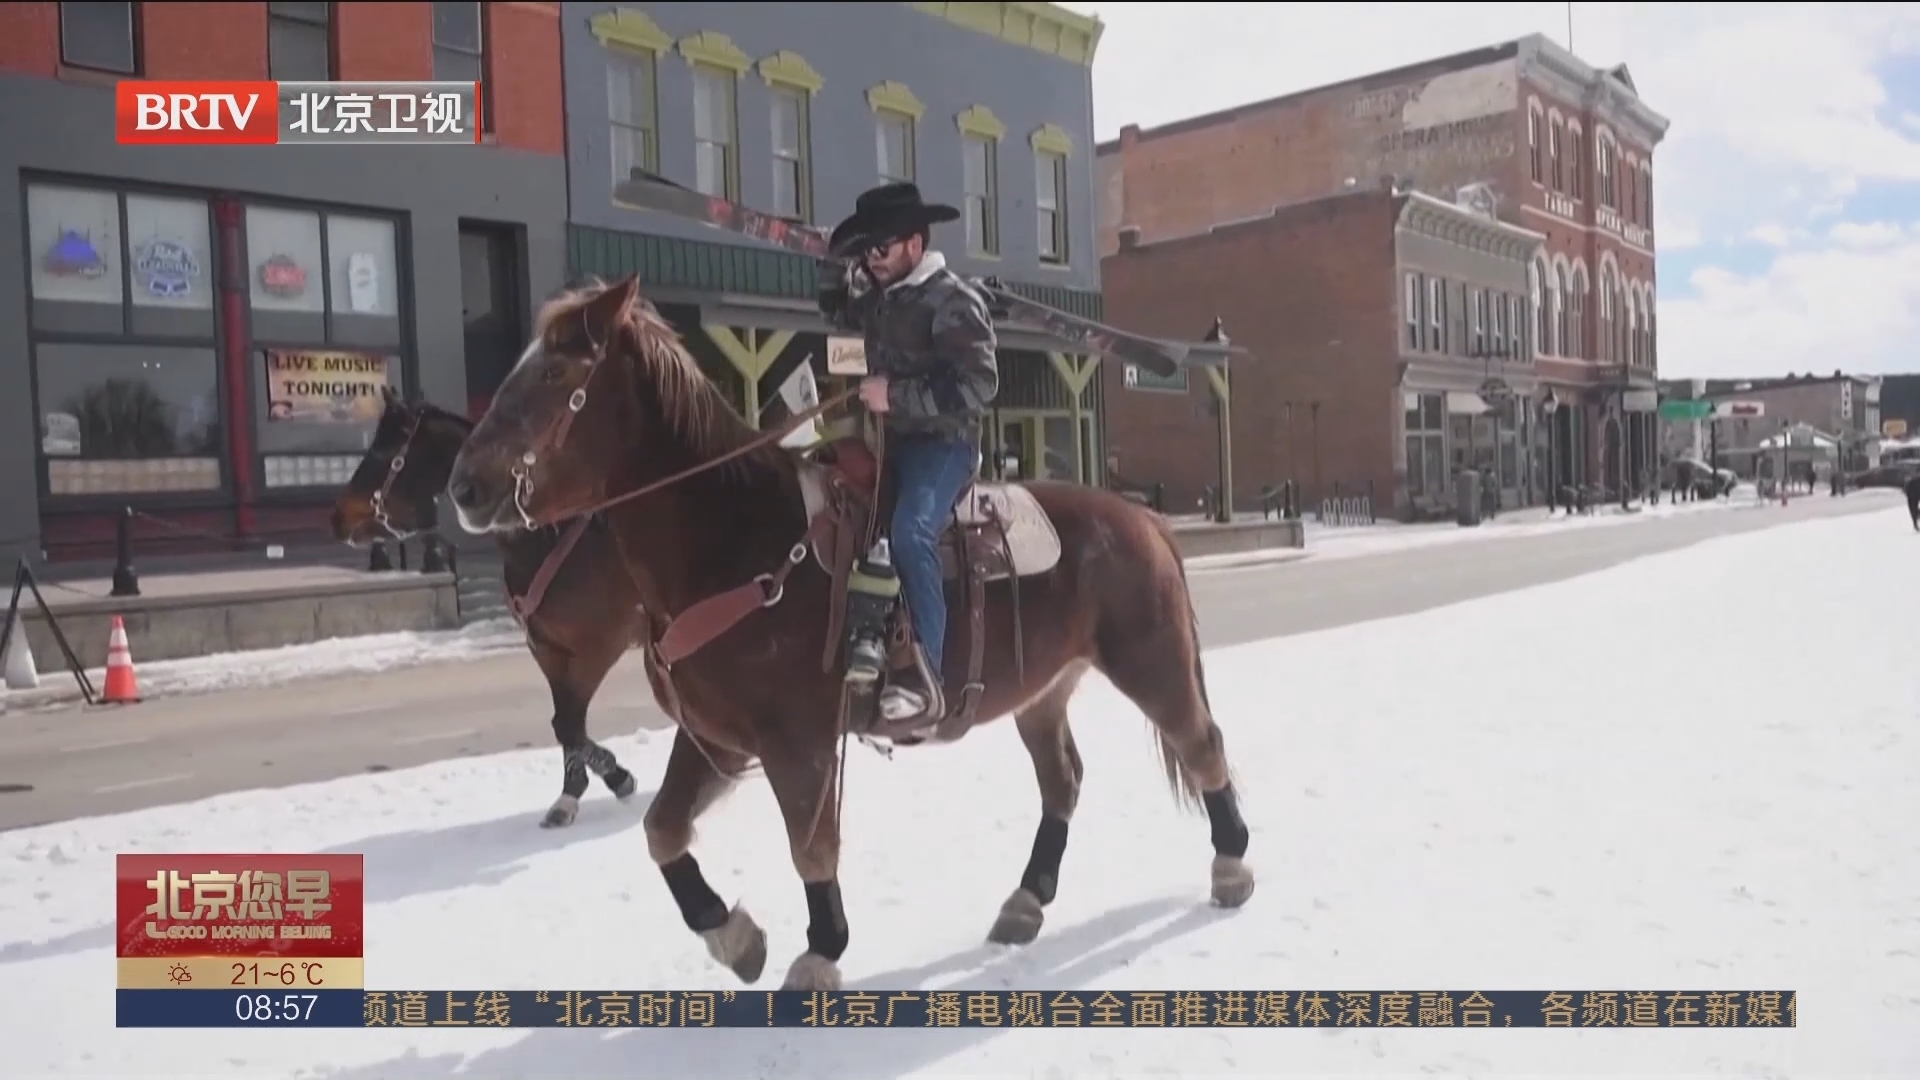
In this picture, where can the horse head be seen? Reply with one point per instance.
(604, 401)
(391, 494)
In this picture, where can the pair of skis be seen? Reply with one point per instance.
(648, 191)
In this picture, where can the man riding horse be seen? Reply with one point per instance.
(932, 372)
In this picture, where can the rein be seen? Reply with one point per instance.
(758, 442)
(557, 434)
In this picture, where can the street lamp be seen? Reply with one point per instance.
(1549, 413)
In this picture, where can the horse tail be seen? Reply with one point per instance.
(1180, 782)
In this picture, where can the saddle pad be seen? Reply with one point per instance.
(1033, 545)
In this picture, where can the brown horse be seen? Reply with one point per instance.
(586, 619)
(606, 411)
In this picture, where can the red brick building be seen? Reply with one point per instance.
(1387, 339)
(422, 261)
(1563, 149)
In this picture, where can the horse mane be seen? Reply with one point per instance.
(692, 405)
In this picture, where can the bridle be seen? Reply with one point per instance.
(377, 502)
(555, 436)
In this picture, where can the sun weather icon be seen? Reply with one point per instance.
(178, 974)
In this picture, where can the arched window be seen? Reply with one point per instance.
(1603, 171)
(1605, 335)
(1562, 283)
(1533, 142)
(1536, 280)
(1550, 341)
(1623, 325)
(1653, 336)
(1646, 194)
(1556, 135)
(1576, 164)
(1558, 298)
(1576, 343)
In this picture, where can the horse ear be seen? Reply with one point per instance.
(389, 397)
(608, 310)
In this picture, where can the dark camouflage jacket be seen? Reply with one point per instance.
(931, 335)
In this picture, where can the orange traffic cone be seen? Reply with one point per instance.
(120, 686)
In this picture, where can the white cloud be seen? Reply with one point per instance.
(1853, 308)
(1778, 116)
(1774, 234)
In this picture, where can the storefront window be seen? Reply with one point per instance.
(287, 284)
(128, 418)
(1426, 446)
(326, 318)
(119, 411)
(74, 239)
(167, 245)
(363, 292)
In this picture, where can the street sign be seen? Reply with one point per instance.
(1893, 429)
(1685, 410)
(1739, 410)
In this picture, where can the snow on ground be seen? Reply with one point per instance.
(1693, 771)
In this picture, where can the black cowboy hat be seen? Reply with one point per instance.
(887, 212)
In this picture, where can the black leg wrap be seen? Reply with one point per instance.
(1042, 878)
(574, 780)
(598, 758)
(1229, 829)
(700, 906)
(826, 920)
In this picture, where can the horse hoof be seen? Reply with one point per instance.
(561, 813)
(811, 971)
(739, 945)
(621, 783)
(1019, 921)
(1232, 881)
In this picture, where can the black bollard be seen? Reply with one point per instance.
(378, 559)
(125, 581)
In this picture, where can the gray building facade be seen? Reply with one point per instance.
(796, 109)
(178, 316)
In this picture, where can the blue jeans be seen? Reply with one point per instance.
(930, 472)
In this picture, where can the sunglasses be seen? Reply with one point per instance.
(880, 249)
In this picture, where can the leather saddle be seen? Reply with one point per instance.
(996, 532)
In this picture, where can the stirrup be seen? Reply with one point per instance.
(898, 703)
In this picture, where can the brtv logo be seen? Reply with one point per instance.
(165, 113)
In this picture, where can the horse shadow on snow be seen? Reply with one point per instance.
(1060, 959)
(419, 862)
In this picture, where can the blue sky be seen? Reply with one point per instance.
(1787, 192)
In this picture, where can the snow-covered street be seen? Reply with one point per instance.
(1692, 770)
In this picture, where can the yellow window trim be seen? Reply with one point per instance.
(978, 120)
(894, 97)
(715, 49)
(627, 28)
(790, 69)
(1051, 139)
